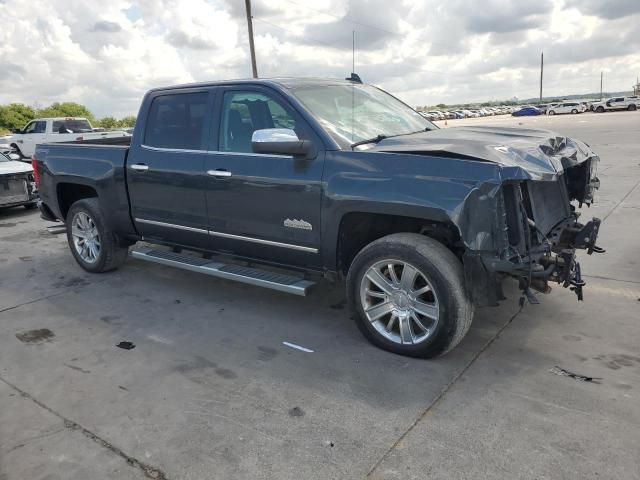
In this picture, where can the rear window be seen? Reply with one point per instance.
(177, 121)
(71, 126)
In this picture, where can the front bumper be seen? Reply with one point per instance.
(554, 261)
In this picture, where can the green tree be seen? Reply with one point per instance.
(107, 122)
(66, 109)
(441, 105)
(15, 115)
(126, 122)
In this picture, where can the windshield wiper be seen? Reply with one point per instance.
(377, 139)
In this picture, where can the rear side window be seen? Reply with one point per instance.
(177, 121)
(71, 126)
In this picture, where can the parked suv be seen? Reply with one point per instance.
(333, 178)
(566, 107)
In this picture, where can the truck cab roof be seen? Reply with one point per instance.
(286, 82)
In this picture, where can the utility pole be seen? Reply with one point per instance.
(601, 75)
(254, 67)
(541, 71)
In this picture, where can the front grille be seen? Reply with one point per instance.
(13, 189)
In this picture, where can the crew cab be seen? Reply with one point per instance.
(52, 130)
(274, 182)
(616, 103)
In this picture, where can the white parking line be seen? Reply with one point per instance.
(297, 347)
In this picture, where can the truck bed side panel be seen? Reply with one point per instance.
(100, 167)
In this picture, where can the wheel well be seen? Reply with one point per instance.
(69, 193)
(358, 229)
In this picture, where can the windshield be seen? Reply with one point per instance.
(353, 113)
(71, 125)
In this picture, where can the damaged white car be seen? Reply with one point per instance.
(17, 184)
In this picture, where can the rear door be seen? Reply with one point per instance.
(165, 167)
(262, 206)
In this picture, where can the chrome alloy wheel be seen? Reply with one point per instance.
(399, 301)
(86, 239)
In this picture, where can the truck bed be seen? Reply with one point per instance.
(101, 141)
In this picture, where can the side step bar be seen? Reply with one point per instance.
(228, 271)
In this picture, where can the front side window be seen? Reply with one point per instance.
(177, 121)
(351, 113)
(245, 112)
(30, 128)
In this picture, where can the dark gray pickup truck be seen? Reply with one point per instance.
(273, 182)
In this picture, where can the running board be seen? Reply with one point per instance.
(57, 229)
(228, 271)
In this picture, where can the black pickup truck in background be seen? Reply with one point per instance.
(335, 178)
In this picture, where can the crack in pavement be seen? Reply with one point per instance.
(442, 393)
(148, 470)
(621, 200)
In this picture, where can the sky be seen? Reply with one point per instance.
(107, 54)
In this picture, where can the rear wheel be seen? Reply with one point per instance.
(94, 246)
(551, 112)
(631, 107)
(600, 109)
(574, 111)
(407, 293)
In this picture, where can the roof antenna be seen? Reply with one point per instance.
(354, 77)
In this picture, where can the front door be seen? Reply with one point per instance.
(262, 206)
(33, 133)
(165, 169)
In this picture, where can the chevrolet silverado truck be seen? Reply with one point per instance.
(276, 182)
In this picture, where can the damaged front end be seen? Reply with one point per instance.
(541, 234)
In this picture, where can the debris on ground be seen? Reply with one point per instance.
(126, 345)
(566, 373)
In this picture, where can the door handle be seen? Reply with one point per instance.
(219, 173)
(140, 167)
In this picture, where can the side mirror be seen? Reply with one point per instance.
(279, 141)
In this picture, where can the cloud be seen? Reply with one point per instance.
(106, 26)
(610, 9)
(107, 54)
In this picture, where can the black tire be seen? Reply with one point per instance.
(600, 109)
(551, 112)
(631, 107)
(111, 254)
(445, 274)
(574, 111)
(30, 206)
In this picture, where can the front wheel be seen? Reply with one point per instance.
(407, 293)
(92, 243)
(574, 111)
(552, 112)
(600, 109)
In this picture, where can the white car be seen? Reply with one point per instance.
(17, 185)
(617, 103)
(565, 107)
(54, 130)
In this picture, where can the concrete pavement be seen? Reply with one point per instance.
(210, 391)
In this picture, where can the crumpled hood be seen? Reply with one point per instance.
(7, 168)
(525, 153)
